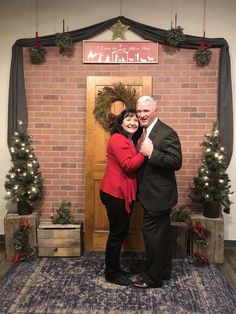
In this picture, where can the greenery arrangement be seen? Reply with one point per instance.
(212, 183)
(23, 249)
(175, 36)
(64, 214)
(202, 56)
(37, 55)
(181, 214)
(108, 95)
(64, 42)
(24, 181)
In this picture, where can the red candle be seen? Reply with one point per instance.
(37, 40)
(175, 20)
(63, 26)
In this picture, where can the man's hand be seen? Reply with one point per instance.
(147, 147)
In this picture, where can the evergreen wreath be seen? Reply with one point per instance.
(175, 36)
(63, 40)
(200, 236)
(108, 95)
(37, 55)
(202, 56)
(65, 43)
(23, 250)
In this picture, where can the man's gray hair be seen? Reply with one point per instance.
(147, 98)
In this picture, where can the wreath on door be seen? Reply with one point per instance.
(107, 96)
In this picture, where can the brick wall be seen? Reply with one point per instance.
(56, 100)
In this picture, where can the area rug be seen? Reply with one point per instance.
(77, 285)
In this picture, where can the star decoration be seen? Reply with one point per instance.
(118, 30)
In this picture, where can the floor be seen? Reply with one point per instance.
(228, 268)
(5, 265)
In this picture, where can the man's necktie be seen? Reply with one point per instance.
(142, 139)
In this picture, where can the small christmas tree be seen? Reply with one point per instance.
(212, 184)
(64, 214)
(24, 181)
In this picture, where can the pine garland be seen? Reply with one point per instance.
(107, 96)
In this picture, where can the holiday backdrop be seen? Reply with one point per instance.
(56, 103)
(220, 24)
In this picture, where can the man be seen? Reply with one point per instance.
(157, 192)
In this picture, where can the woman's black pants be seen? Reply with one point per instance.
(119, 221)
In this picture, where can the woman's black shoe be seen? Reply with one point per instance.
(120, 280)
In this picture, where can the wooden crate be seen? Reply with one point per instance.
(11, 226)
(179, 239)
(59, 240)
(215, 227)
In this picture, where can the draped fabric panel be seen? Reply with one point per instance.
(17, 107)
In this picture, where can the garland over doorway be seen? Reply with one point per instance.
(17, 107)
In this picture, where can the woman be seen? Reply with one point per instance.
(118, 190)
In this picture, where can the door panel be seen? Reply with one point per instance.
(96, 222)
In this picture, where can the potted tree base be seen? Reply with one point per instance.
(211, 209)
(23, 208)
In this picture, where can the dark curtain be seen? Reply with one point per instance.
(17, 107)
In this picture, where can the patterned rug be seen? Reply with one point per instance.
(77, 285)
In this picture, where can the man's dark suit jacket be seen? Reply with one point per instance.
(156, 177)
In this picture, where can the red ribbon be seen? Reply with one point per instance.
(37, 40)
(201, 258)
(111, 119)
(24, 224)
(203, 45)
(16, 258)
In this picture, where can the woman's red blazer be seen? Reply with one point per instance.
(122, 162)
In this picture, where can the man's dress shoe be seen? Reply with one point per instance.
(166, 276)
(141, 284)
(120, 280)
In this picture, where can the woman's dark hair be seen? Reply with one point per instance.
(117, 128)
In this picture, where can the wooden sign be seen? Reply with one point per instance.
(120, 52)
